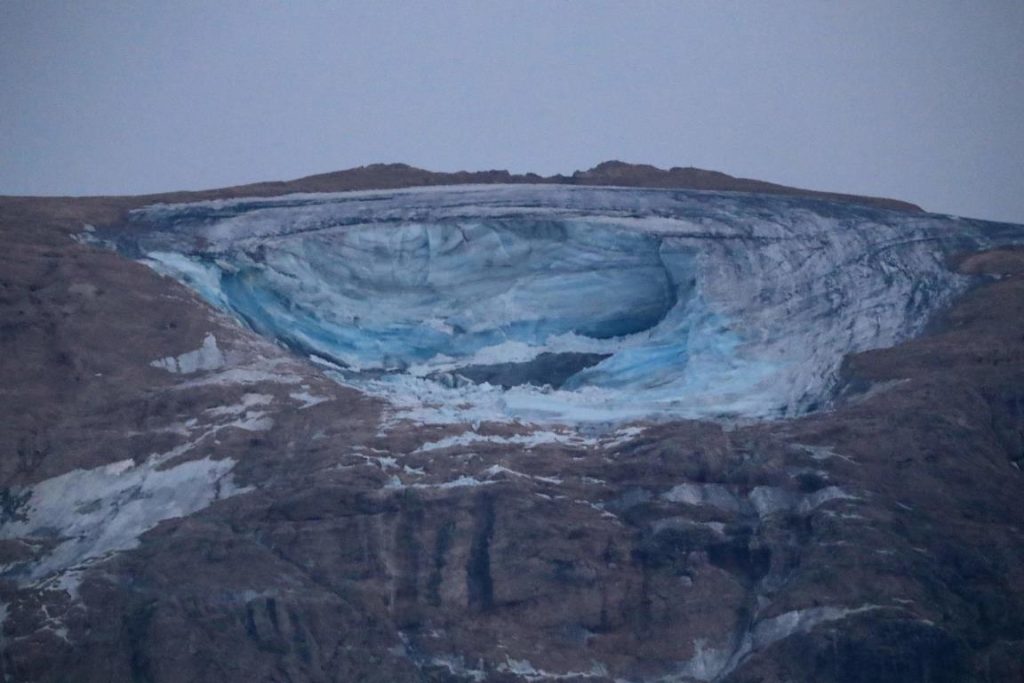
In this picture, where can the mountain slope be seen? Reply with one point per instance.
(185, 500)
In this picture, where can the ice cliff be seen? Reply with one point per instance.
(573, 304)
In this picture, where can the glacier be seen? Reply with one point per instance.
(568, 304)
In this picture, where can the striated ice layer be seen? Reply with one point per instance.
(556, 303)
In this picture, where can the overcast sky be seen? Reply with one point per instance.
(919, 100)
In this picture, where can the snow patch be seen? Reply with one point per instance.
(821, 453)
(307, 399)
(714, 664)
(538, 437)
(528, 441)
(495, 470)
(101, 511)
(763, 501)
(248, 401)
(263, 370)
(527, 671)
(456, 665)
(206, 357)
(770, 500)
(462, 482)
(713, 495)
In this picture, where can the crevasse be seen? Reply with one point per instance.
(567, 304)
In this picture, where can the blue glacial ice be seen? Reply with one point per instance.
(456, 303)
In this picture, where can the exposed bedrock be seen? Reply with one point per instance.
(184, 500)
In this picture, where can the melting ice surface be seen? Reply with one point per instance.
(568, 304)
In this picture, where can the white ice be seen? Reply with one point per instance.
(206, 357)
(100, 511)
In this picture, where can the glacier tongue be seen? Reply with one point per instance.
(634, 303)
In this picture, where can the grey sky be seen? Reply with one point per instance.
(920, 100)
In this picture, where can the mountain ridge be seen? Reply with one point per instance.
(387, 176)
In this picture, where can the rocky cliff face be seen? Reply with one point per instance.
(513, 433)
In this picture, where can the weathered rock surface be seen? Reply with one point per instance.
(239, 516)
